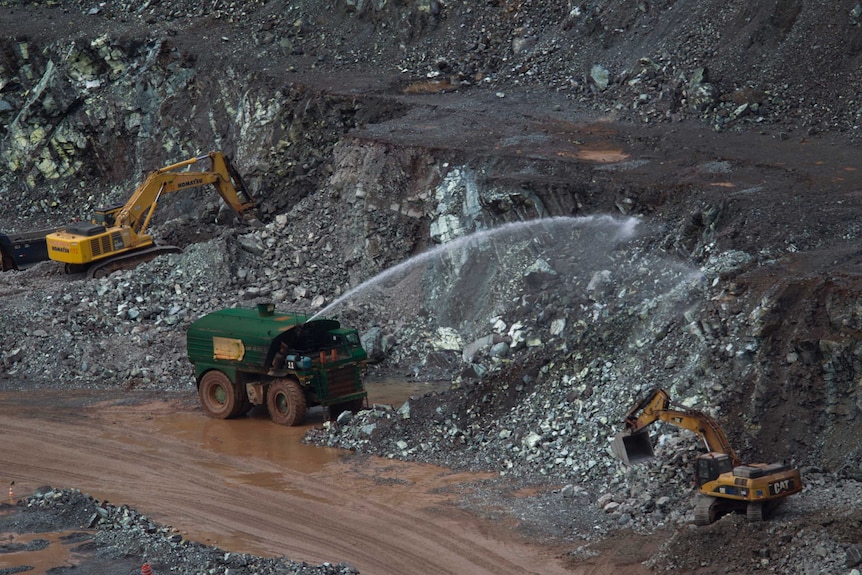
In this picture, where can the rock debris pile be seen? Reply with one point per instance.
(801, 539)
(123, 535)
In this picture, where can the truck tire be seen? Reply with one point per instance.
(286, 402)
(220, 398)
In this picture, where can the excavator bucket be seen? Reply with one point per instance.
(632, 448)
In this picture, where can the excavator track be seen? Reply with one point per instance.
(705, 510)
(709, 509)
(755, 511)
(129, 260)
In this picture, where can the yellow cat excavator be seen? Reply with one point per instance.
(723, 482)
(117, 238)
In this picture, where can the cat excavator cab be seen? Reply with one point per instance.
(117, 237)
(724, 483)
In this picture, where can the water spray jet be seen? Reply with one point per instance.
(622, 230)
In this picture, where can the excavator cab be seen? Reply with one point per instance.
(710, 465)
(107, 216)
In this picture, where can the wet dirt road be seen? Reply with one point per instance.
(251, 486)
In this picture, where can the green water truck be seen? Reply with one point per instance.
(284, 361)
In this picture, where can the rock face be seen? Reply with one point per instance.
(552, 207)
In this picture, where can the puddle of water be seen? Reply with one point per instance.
(253, 436)
(604, 156)
(55, 553)
(273, 480)
(282, 459)
(257, 436)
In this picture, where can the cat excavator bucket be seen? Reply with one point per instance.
(632, 448)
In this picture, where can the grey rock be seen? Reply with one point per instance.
(600, 77)
(252, 244)
(499, 350)
(404, 410)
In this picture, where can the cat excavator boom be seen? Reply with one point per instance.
(723, 481)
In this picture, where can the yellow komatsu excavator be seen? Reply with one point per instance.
(117, 237)
(723, 482)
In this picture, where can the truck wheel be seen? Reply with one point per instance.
(219, 397)
(286, 402)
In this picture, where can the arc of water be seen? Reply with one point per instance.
(625, 230)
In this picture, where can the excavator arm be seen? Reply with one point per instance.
(634, 445)
(137, 212)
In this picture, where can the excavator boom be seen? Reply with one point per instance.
(635, 445)
(137, 211)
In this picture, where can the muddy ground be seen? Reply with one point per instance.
(238, 491)
(731, 130)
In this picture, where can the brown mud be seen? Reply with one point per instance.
(252, 486)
